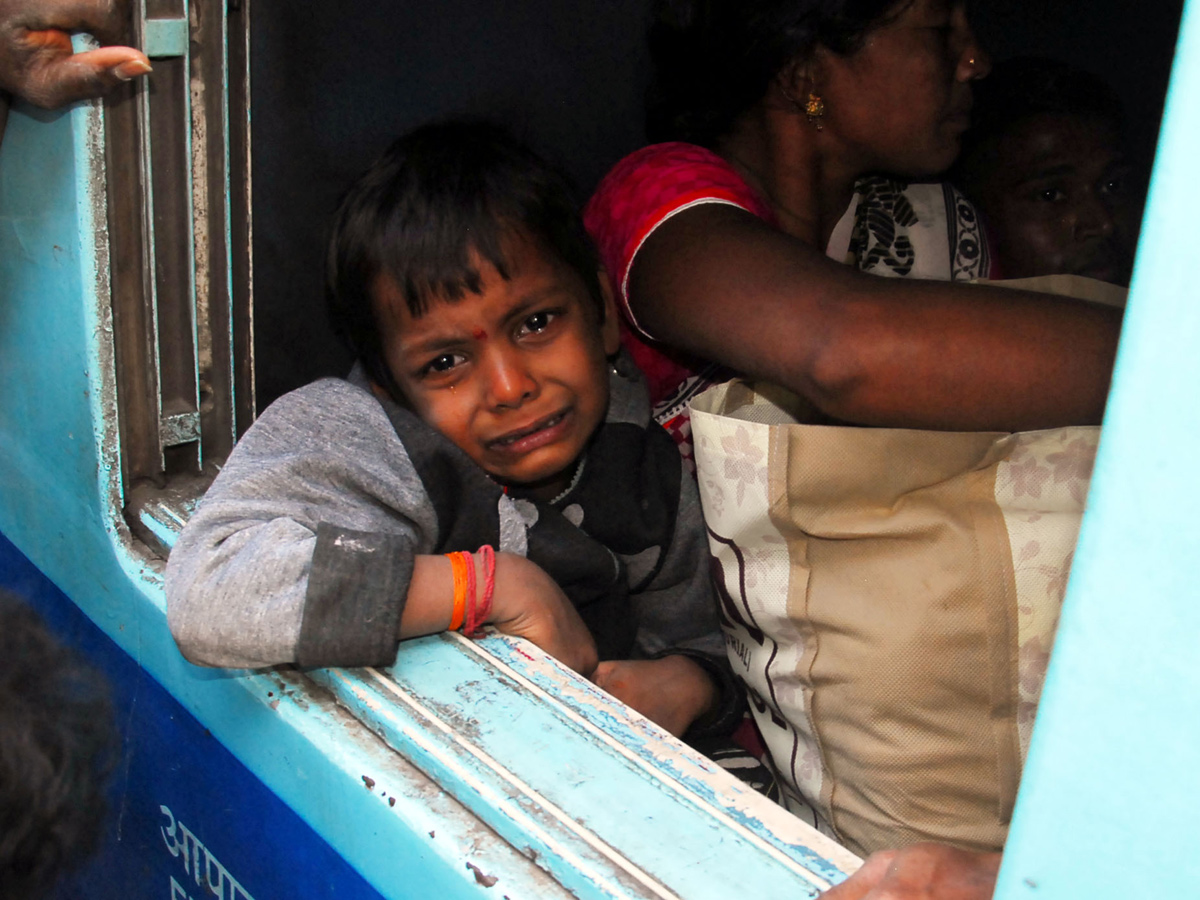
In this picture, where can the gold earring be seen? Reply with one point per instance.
(814, 109)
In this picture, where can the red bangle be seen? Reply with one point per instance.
(479, 615)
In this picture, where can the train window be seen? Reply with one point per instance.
(177, 160)
(470, 766)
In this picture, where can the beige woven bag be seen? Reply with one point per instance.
(890, 598)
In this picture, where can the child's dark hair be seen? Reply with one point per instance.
(1028, 86)
(57, 747)
(1017, 90)
(437, 194)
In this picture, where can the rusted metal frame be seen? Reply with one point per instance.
(175, 230)
(240, 219)
(179, 215)
(133, 316)
(211, 217)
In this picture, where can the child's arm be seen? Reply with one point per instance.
(313, 537)
(672, 691)
(527, 603)
(687, 682)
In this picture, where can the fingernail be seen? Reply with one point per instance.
(132, 69)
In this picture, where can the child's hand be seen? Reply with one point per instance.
(528, 603)
(672, 691)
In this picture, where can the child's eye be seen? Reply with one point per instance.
(1113, 186)
(537, 323)
(1051, 195)
(443, 363)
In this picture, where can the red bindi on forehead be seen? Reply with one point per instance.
(479, 334)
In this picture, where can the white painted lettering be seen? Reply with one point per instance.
(214, 877)
(191, 861)
(170, 842)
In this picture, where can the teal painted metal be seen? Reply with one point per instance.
(595, 715)
(58, 478)
(165, 37)
(1109, 803)
(562, 751)
(60, 501)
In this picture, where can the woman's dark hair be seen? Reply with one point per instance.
(713, 59)
(437, 194)
(57, 746)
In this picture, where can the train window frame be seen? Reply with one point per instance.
(1103, 803)
(177, 158)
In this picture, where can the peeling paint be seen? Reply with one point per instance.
(633, 734)
(464, 725)
(571, 854)
(92, 191)
(486, 880)
(447, 731)
(201, 241)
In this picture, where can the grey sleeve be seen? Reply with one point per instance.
(677, 612)
(356, 588)
(303, 548)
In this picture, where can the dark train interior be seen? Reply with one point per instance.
(333, 83)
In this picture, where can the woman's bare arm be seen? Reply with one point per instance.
(720, 283)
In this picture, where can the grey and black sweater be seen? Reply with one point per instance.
(302, 550)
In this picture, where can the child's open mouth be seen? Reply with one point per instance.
(544, 431)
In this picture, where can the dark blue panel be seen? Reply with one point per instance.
(169, 760)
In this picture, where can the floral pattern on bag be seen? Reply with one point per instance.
(765, 647)
(1039, 485)
(1053, 468)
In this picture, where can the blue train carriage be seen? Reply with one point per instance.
(485, 769)
(470, 768)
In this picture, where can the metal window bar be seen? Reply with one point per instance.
(178, 160)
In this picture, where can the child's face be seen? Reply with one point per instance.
(1059, 200)
(516, 375)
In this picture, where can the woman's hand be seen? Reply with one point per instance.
(37, 62)
(528, 603)
(672, 691)
(921, 872)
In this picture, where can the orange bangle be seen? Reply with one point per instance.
(458, 567)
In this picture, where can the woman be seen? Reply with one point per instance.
(719, 248)
(719, 251)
